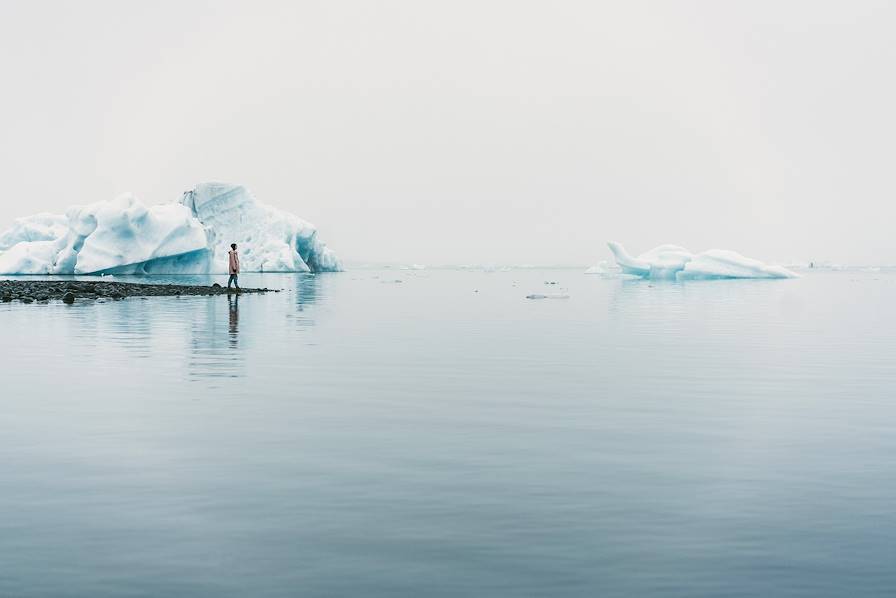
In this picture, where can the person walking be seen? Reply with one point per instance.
(234, 267)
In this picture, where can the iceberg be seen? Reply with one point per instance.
(189, 236)
(677, 263)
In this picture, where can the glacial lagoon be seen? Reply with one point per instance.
(445, 436)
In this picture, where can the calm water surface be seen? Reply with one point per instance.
(444, 436)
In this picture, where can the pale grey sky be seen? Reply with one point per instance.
(480, 131)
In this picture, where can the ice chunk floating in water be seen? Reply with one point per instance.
(548, 296)
(677, 263)
(191, 236)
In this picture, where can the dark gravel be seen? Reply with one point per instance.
(69, 291)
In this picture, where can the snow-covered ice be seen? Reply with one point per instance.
(40, 227)
(677, 263)
(192, 236)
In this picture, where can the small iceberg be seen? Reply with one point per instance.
(602, 269)
(671, 262)
(607, 270)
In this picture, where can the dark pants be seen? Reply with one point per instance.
(233, 280)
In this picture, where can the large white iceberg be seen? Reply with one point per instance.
(677, 263)
(191, 236)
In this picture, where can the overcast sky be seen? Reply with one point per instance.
(470, 132)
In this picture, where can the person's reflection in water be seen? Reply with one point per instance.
(233, 302)
(214, 354)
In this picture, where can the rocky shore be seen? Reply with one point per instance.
(69, 291)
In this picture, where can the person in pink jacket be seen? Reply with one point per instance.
(234, 267)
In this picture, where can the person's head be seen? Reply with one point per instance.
(233, 246)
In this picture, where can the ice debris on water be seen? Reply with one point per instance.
(548, 296)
